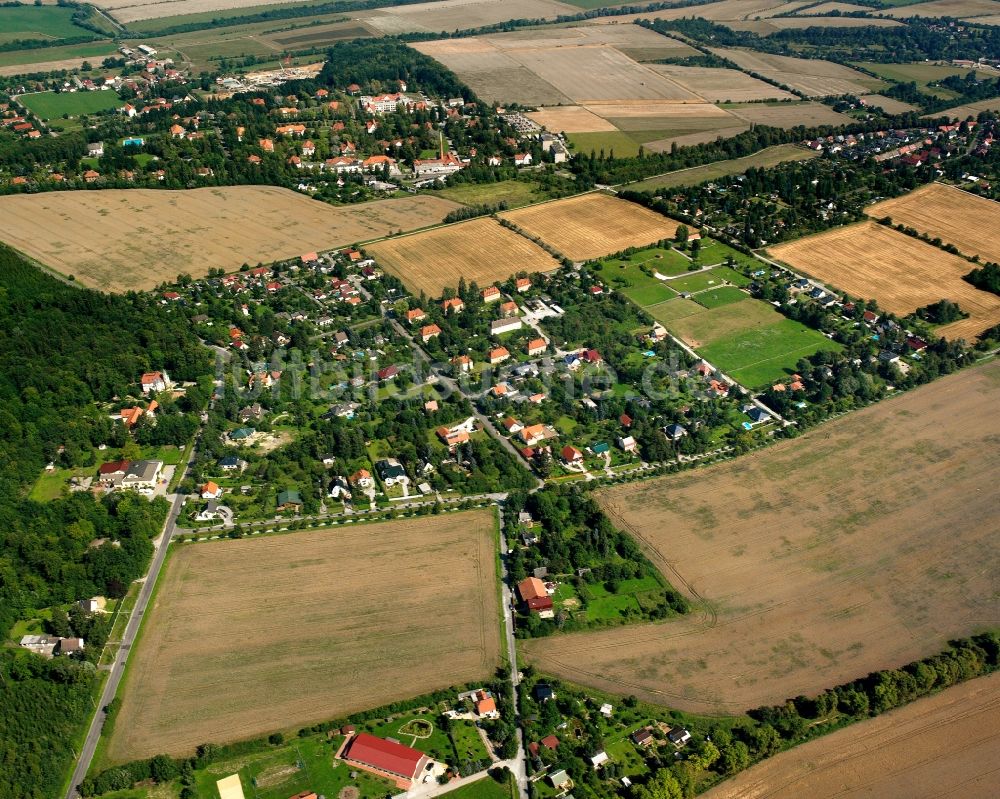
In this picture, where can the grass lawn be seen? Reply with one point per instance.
(468, 742)
(50, 105)
(630, 762)
(622, 144)
(715, 252)
(512, 192)
(768, 157)
(49, 485)
(565, 425)
(714, 298)
(627, 275)
(756, 358)
(710, 279)
(667, 312)
(302, 765)
(486, 788)
(38, 22)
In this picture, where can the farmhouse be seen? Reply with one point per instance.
(387, 756)
(533, 595)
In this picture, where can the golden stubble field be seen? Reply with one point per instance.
(969, 222)
(592, 225)
(866, 543)
(134, 239)
(943, 745)
(480, 250)
(872, 261)
(812, 76)
(253, 635)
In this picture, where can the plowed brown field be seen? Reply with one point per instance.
(592, 225)
(969, 222)
(134, 239)
(866, 543)
(872, 261)
(253, 635)
(480, 249)
(944, 745)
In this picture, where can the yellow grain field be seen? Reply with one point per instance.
(134, 239)
(592, 225)
(480, 250)
(872, 261)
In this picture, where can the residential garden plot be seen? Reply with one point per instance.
(892, 756)
(125, 239)
(50, 105)
(814, 77)
(480, 249)
(813, 562)
(592, 225)
(901, 273)
(347, 619)
(957, 217)
(719, 85)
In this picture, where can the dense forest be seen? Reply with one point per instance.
(62, 350)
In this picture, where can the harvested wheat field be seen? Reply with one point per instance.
(947, 8)
(570, 119)
(863, 544)
(969, 222)
(124, 239)
(480, 249)
(872, 261)
(722, 85)
(347, 619)
(449, 15)
(592, 225)
(132, 10)
(943, 745)
(812, 76)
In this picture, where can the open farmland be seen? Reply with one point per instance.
(771, 156)
(971, 109)
(946, 8)
(347, 619)
(49, 59)
(721, 11)
(592, 225)
(765, 27)
(969, 222)
(570, 119)
(722, 85)
(863, 544)
(943, 745)
(480, 249)
(125, 239)
(812, 76)
(787, 115)
(888, 104)
(38, 22)
(132, 10)
(872, 261)
(449, 15)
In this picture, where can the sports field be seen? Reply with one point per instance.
(969, 222)
(863, 544)
(745, 338)
(872, 261)
(347, 619)
(50, 105)
(943, 745)
(771, 156)
(480, 250)
(592, 225)
(124, 239)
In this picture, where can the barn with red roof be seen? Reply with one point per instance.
(388, 756)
